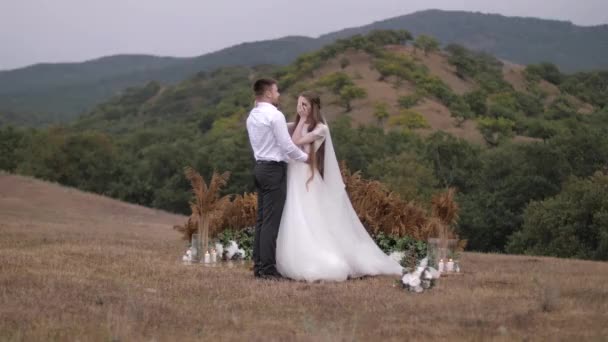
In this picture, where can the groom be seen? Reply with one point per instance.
(272, 146)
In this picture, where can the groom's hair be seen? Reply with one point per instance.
(260, 86)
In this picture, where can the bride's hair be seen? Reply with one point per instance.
(314, 118)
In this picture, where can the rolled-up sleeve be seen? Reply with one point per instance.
(281, 134)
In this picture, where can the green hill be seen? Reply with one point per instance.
(534, 141)
(66, 90)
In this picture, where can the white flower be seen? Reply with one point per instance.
(185, 258)
(232, 249)
(406, 278)
(397, 256)
(415, 281)
(424, 262)
(418, 289)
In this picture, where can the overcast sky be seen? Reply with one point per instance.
(34, 31)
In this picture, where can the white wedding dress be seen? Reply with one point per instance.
(321, 237)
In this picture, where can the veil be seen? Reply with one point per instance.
(331, 169)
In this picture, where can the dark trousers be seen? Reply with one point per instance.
(271, 184)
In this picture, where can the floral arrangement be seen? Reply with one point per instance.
(422, 278)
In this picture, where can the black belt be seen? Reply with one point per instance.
(270, 162)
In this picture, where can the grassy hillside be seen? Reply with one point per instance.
(106, 270)
(469, 95)
(68, 89)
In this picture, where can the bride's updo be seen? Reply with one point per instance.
(314, 118)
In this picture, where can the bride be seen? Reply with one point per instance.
(320, 236)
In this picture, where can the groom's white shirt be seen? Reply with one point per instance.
(268, 135)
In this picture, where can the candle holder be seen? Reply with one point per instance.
(442, 250)
(195, 246)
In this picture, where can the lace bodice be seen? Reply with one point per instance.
(320, 132)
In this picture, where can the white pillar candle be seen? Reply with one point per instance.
(440, 266)
(450, 265)
(213, 256)
(207, 258)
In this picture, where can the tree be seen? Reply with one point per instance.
(477, 101)
(409, 119)
(426, 43)
(455, 161)
(407, 174)
(349, 93)
(509, 178)
(10, 142)
(381, 113)
(389, 37)
(494, 130)
(547, 71)
(573, 224)
(335, 82)
(344, 62)
(409, 101)
(460, 110)
(460, 58)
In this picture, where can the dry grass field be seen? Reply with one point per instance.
(80, 267)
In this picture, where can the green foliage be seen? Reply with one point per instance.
(508, 179)
(389, 37)
(426, 43)
(86, 160)
(461, 110)
(482, 67)
(435, 86)
(591, 87)
(408, 119)
(10, 142)
(539, 128)
(243, 238)
(350, 93)
(401, 66)
(561, 108)
(404, 67)
(409, 101)
(406, 174)
(477, 101)
(344, 62)
(381, 112)
(454, 161)
(574, 223)
(359, 147)
(389, 244)
(495, 130)
(340, 84)
(530, 105)
(503, 105)
(546, 71)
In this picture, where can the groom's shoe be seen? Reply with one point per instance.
(270, 275)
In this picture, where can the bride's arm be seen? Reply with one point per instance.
(297, 132)
(308, 138)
